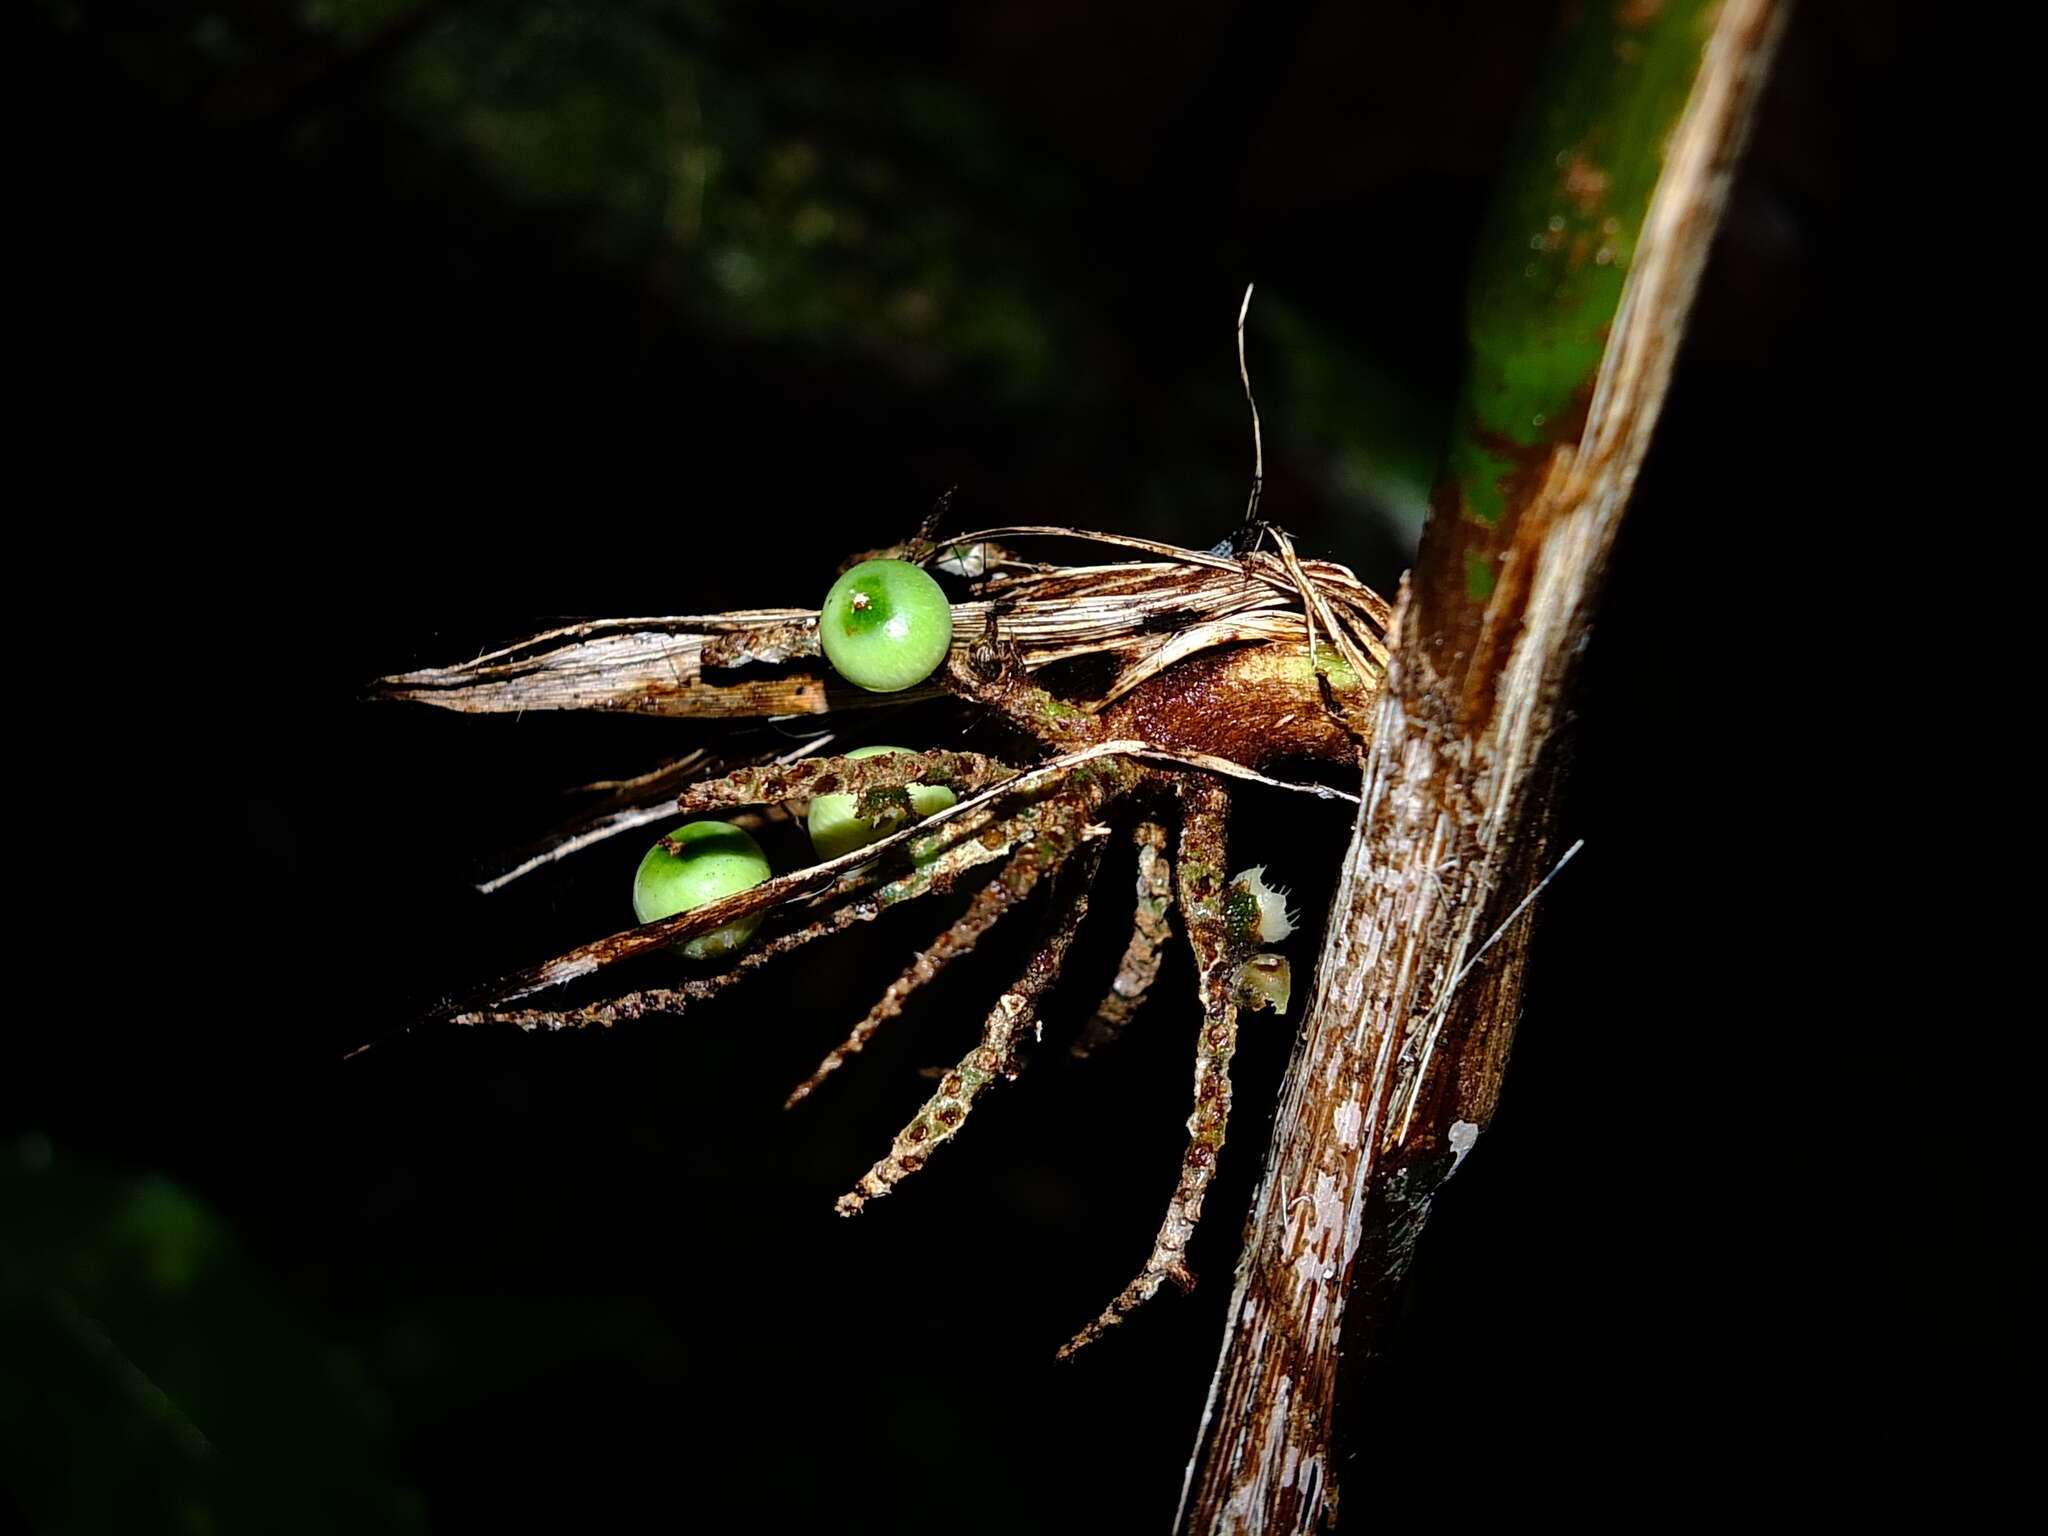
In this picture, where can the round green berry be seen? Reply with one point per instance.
(713, 859)
(885, 625)
(836, 830)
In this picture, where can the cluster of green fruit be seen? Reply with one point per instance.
(885, 626)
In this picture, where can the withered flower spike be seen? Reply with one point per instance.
(1150, 929)
(1000, 1051)
(1212, 671)
(1201, 884)
(1017, 880)
(962, 772)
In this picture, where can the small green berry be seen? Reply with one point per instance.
(885, 625)
(836, 830)
(716, 859)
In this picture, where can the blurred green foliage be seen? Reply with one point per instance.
(773, 176)
(158, 1380)
(772, 193)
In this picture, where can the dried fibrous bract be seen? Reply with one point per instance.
(1130, 701)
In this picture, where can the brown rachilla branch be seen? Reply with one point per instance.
(1150, 929)
(999, 1054)
(991, 904)
(1397, 1069)
(1199, 877)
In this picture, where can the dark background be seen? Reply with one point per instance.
(363, 338)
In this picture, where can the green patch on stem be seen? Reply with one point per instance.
(1561, 236)
(1479, 577)
(1057, 711)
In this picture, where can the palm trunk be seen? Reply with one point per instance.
(1583, 292)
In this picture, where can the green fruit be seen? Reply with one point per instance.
(715, 859)
(836, 830)
(885, 625)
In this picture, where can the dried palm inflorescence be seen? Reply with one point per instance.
(1186, 675)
